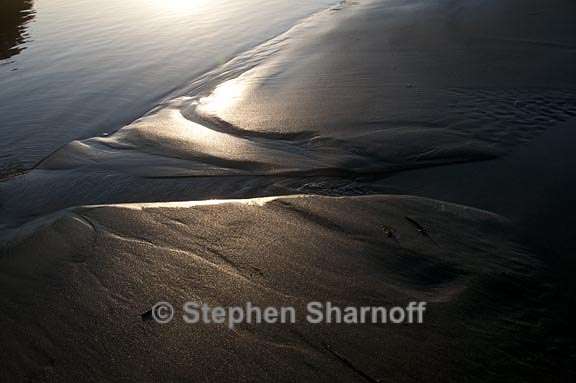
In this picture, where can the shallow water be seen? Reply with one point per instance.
(73, 69)
(342, 99)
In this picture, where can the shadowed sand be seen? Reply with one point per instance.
(79, 283)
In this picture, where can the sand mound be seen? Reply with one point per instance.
(79, 283)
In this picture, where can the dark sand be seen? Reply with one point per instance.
(349, 102)
(77, 286)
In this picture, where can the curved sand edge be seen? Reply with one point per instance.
(79, 285)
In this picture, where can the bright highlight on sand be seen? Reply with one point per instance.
(224, 96)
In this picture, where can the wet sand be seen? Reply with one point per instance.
(361, 90)
(368, 97)
(73, 310)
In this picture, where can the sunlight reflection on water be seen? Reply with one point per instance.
(188, 6)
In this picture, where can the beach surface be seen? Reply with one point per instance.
(78, 285)
(378, 152)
